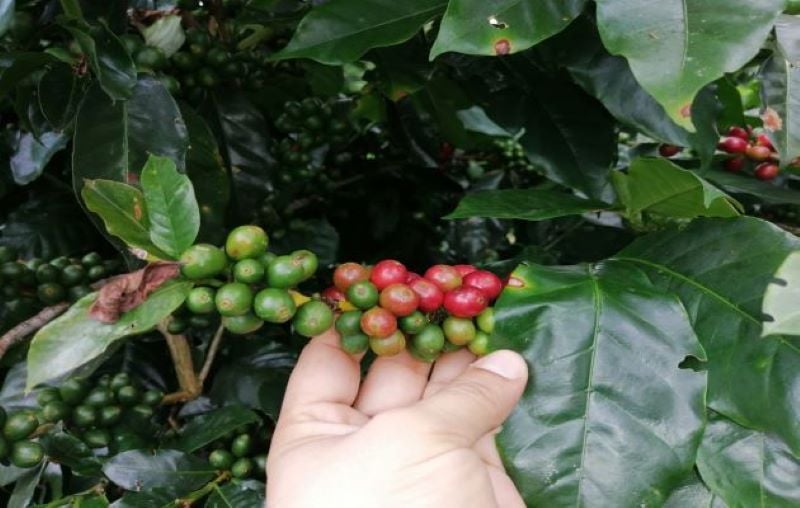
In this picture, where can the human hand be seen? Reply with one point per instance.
(397, 439)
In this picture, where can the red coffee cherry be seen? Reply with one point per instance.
(734, 164)
(758, 152)
(411, 277)
(378, 322)
(444, 276)
(763, 140)
(333, 295)
(739, 132)
(465, 302)
(733, 145)
(669, 150)
(388, 272)
(399, 299)
(348, 273)
(767, 171)
(430, 296)
(489, 283)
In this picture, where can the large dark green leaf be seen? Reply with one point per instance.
(207, 428)
(609, 418)
(114, 139)
(59, 91)
(110, 61)
(212, 184)
(161, 497)
(567, 133)
(244, 133)
(720, 268)
(748, 468)
(780, 90)
(171, 206)
(477, 27)
(676, 48)
(610, 80)
(317, 235)
(49, 225)
(32, 154)
(657, 186)
(70, 451)
(141, 470)
(237, 495)
(339, 32)
(254, 375)
(525, 204)
(19, 66)
(739, 184)
(124, 212)
(781, 297)
(75, 339)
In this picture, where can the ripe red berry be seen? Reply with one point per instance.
(444, 276)
(465, 269)
(763, 140)
(758, 152)
(388, 272)
(489, 283)
(767, 171)
(430, 296)
(378, 322)
(734, 164)
(739, 132)
(348, 273)
(411, 277)
(733, 145)
(465, 302)
(669, 150)
(333, 294)
(399, 299)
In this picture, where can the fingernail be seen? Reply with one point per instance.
(507, 364)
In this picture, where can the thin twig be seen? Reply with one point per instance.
(30, 325)
(212, 353)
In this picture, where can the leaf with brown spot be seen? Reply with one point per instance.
(125, 292)
(124, 213)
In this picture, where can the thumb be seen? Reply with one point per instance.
(479, 400)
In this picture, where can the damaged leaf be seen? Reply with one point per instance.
(128, 291)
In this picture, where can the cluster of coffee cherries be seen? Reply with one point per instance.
(29, 285)
(203, 63)
(514, 155)
(241, 452)
(111, 412)
(749, 150)
(387, 308)
(309, 124)
(247, 285)
(17, 442)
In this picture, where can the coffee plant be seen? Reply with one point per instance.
(191, 189)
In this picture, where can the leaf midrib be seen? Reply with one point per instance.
(705, 290)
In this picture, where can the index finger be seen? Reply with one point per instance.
(323, 374)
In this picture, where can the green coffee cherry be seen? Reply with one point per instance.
(234, 299)
(73, 391)
(274, 305)
(242, 468)
(97, 438)
(55, 411)
(48, 394)
(242, 445)
(84, 416)
(349, 323)
(201, 300)
(249, 271)
(221, 459)
(25, 454)
(128, 395)
(312, 318)
(20, 425)
(152, 398)
(354, 343)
